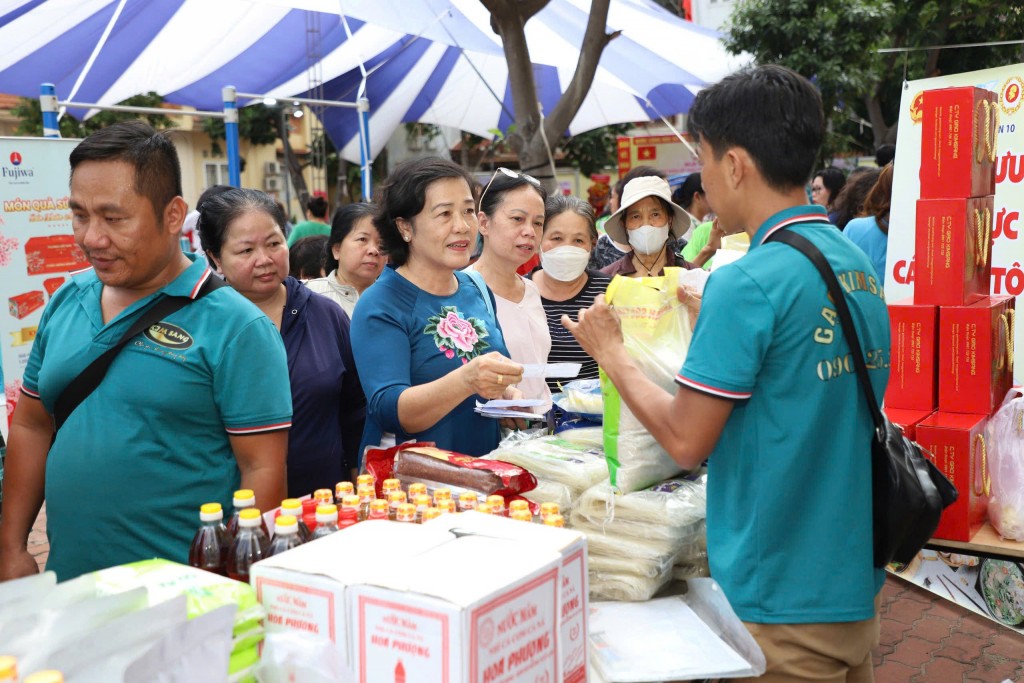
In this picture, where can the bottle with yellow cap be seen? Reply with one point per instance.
(243, 498)
(395, 498)
(249, 545)
(422, 502)
(521, 515)
(286, 535)
(293, 507)
(8, 669)
(417, 488)
(389, 485)
(548, 509)
(365, 479)
(468, 501)
(554, 519)
(406, 512)
(497, 504)
(366, 494)
(323, 497)
(431, 513)
(485, 508)
(210, 545)
(378, 509)
(326, 521)
(446, 506)
(48, 676)
(349, 502)
(519, 504)
(342, 489)
(442, 494)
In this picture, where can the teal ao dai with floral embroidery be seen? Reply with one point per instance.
(403, 336)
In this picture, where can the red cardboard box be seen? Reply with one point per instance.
(956, 443)
(912, 371)
(953, 251)
(20, 305)
(958, 142)
(907, 420)
(52, 284)
(975, 365)
(53, 254)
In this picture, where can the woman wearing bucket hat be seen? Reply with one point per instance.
(645, 221)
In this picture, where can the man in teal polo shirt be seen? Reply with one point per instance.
(190, 410)
(765, 395)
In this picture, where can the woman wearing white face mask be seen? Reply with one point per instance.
(564, 282)
(646, 220)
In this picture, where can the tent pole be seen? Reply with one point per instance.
(231, 135)
(48, 105)
(365, 161)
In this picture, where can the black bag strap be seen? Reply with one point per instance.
(88, 379)
(807, 248)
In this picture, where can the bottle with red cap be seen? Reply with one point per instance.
(349, 516)
(326, 521)
(250, 545)
(309, 514)
(286, 535)
(211, 543)
(379, 509)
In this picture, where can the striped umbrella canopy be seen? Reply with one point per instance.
(428, 61)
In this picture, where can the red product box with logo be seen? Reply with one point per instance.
(953, 245)
(53, 254)
(912, 372)
(958, 142)
(20, 305)
(907, 420)
(956, 444)
(976, 355)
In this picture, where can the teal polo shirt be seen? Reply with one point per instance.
(789, 482)
(131, 466)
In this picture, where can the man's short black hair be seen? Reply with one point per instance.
(317, 207)
(884, 155)
(772, 112)
(151, 154)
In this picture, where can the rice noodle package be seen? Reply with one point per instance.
(574, 460)
(1006, 467)
(676, 502)
(657, 331)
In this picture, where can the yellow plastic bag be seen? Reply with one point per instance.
(657, 333)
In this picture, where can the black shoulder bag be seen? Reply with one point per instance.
(86, 382)
(909, 491)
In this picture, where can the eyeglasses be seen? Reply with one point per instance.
(509, 173)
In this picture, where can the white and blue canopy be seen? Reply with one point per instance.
(429, 61)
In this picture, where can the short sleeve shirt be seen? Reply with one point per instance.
(133, 463)
(789, 483)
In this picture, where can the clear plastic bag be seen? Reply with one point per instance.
(1005, 461)
(627, 587)
(656, 330)
(676, 502)
(566, 458)
(608, 564)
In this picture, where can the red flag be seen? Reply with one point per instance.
(647, 153)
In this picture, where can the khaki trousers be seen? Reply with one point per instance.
(836, 653)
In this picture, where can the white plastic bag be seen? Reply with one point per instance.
(1005, 467)
(657, 331)
(566, 458)
(676, 502)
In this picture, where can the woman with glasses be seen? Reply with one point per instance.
(511, 221)
(564, 281)
(425, 337)
(647, 220)
(825, 187)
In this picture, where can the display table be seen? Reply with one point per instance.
(985, 543)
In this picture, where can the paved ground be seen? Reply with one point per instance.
(924, 638)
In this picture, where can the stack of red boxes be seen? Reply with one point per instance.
(952, 345)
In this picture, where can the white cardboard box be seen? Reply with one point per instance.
(461, 608)
(574, 588)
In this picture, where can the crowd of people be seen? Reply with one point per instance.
(376, 328)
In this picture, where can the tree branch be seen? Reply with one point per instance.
(594, 41)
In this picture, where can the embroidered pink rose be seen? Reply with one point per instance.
(459, 331)
(455, 336)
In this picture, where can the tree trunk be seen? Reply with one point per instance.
(508, 19)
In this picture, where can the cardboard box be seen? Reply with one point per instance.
(575, 590)
(907, 420)
(958, 142)
(956, 444)
(913, 381)
(412, 598)
(53, 254)
(954, 251)
(21, 305)
(975, 365)
(52, 284)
